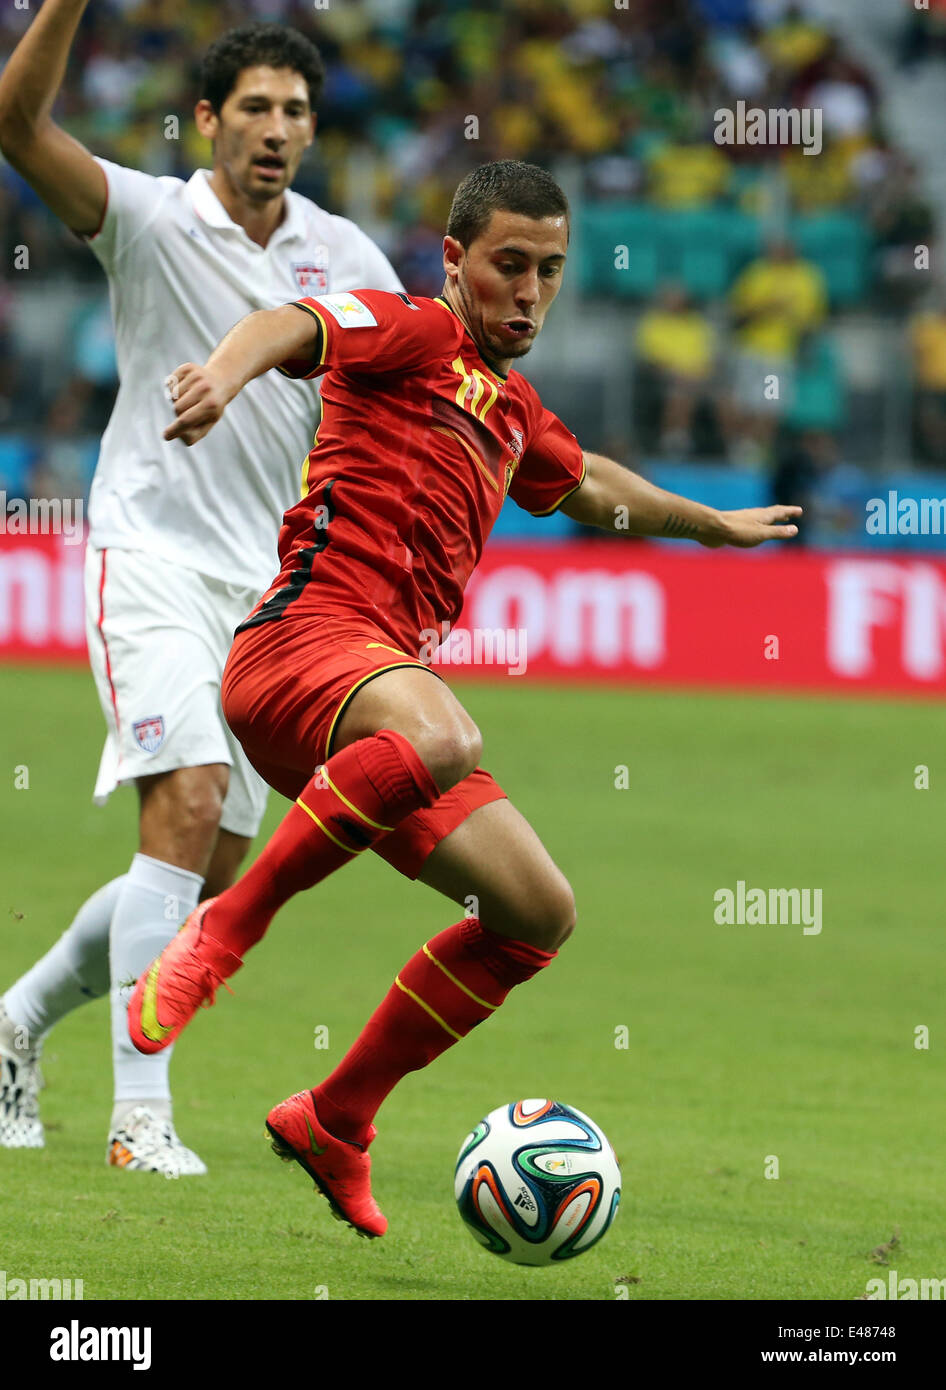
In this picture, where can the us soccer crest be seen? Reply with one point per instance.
(312, 276)
(149, 733)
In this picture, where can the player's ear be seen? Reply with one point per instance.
(206, 119)
(453, 253)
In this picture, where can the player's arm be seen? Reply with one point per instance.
(61, 170)
(262, 340)
(614, 498)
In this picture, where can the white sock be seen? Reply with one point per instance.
(72, 972)
(154, 900)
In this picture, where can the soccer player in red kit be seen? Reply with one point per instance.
(424, 431)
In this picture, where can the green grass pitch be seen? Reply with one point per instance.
(743, 1042)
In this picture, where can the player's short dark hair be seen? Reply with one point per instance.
(259, 45)
(508, 185)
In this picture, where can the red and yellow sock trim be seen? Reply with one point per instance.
(427, 1009)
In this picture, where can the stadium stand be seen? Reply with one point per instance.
(623, 104)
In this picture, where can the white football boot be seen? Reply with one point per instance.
(145, 1143)
(20, 1084)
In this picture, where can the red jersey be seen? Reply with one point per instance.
(419, 443)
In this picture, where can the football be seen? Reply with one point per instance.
(537, 1182)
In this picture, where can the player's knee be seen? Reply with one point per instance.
(546, 921)
(196, 802)
(450, 754)
(560, 917)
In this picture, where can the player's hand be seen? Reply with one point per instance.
(754, 525)
(199, 400)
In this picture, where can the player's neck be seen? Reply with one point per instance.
(259, 221)
(450, 297)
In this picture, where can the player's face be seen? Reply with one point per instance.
(264, 128)
(506, 280)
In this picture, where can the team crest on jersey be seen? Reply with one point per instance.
(311, 276)
(348, 310)
(149, 733)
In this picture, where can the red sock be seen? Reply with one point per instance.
(358, 796)
(454, 982)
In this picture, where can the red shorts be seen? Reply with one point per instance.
(285, 686)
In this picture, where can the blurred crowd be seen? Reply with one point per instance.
(627, 92)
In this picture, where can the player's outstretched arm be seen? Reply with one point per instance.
(61, 170)
(616, 499)
(258, 342)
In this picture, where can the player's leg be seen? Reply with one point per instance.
(202, 819)
(158, 637)
(76, 968)
(520, 909)
(224, 867)
(416, 742)
(72, 972)
(495, 865)
(188, 801)
(179, 816)
(491, 861)
(419, 741)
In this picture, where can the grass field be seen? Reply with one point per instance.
(744, 1042)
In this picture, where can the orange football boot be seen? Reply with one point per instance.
(341, 1169)
(184, 978)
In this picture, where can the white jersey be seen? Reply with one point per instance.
(181, 274)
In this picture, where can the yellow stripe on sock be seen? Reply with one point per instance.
(417, 1000)
(300, 802)
(351, 806)
(459, 983)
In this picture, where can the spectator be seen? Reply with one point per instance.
(740, 64)
(688, 173)
(112, 75)
(773, 304)
(657, 100)
(902, 221)
(620, 91)
(845, 98)
(60, 470)
(793, 41)
(841, 89)
(817, 184)
(676, 352)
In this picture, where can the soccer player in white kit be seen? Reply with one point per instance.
(182, 542)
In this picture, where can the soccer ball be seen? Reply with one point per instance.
(537, 1182)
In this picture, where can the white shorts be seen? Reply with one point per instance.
(158, 638)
